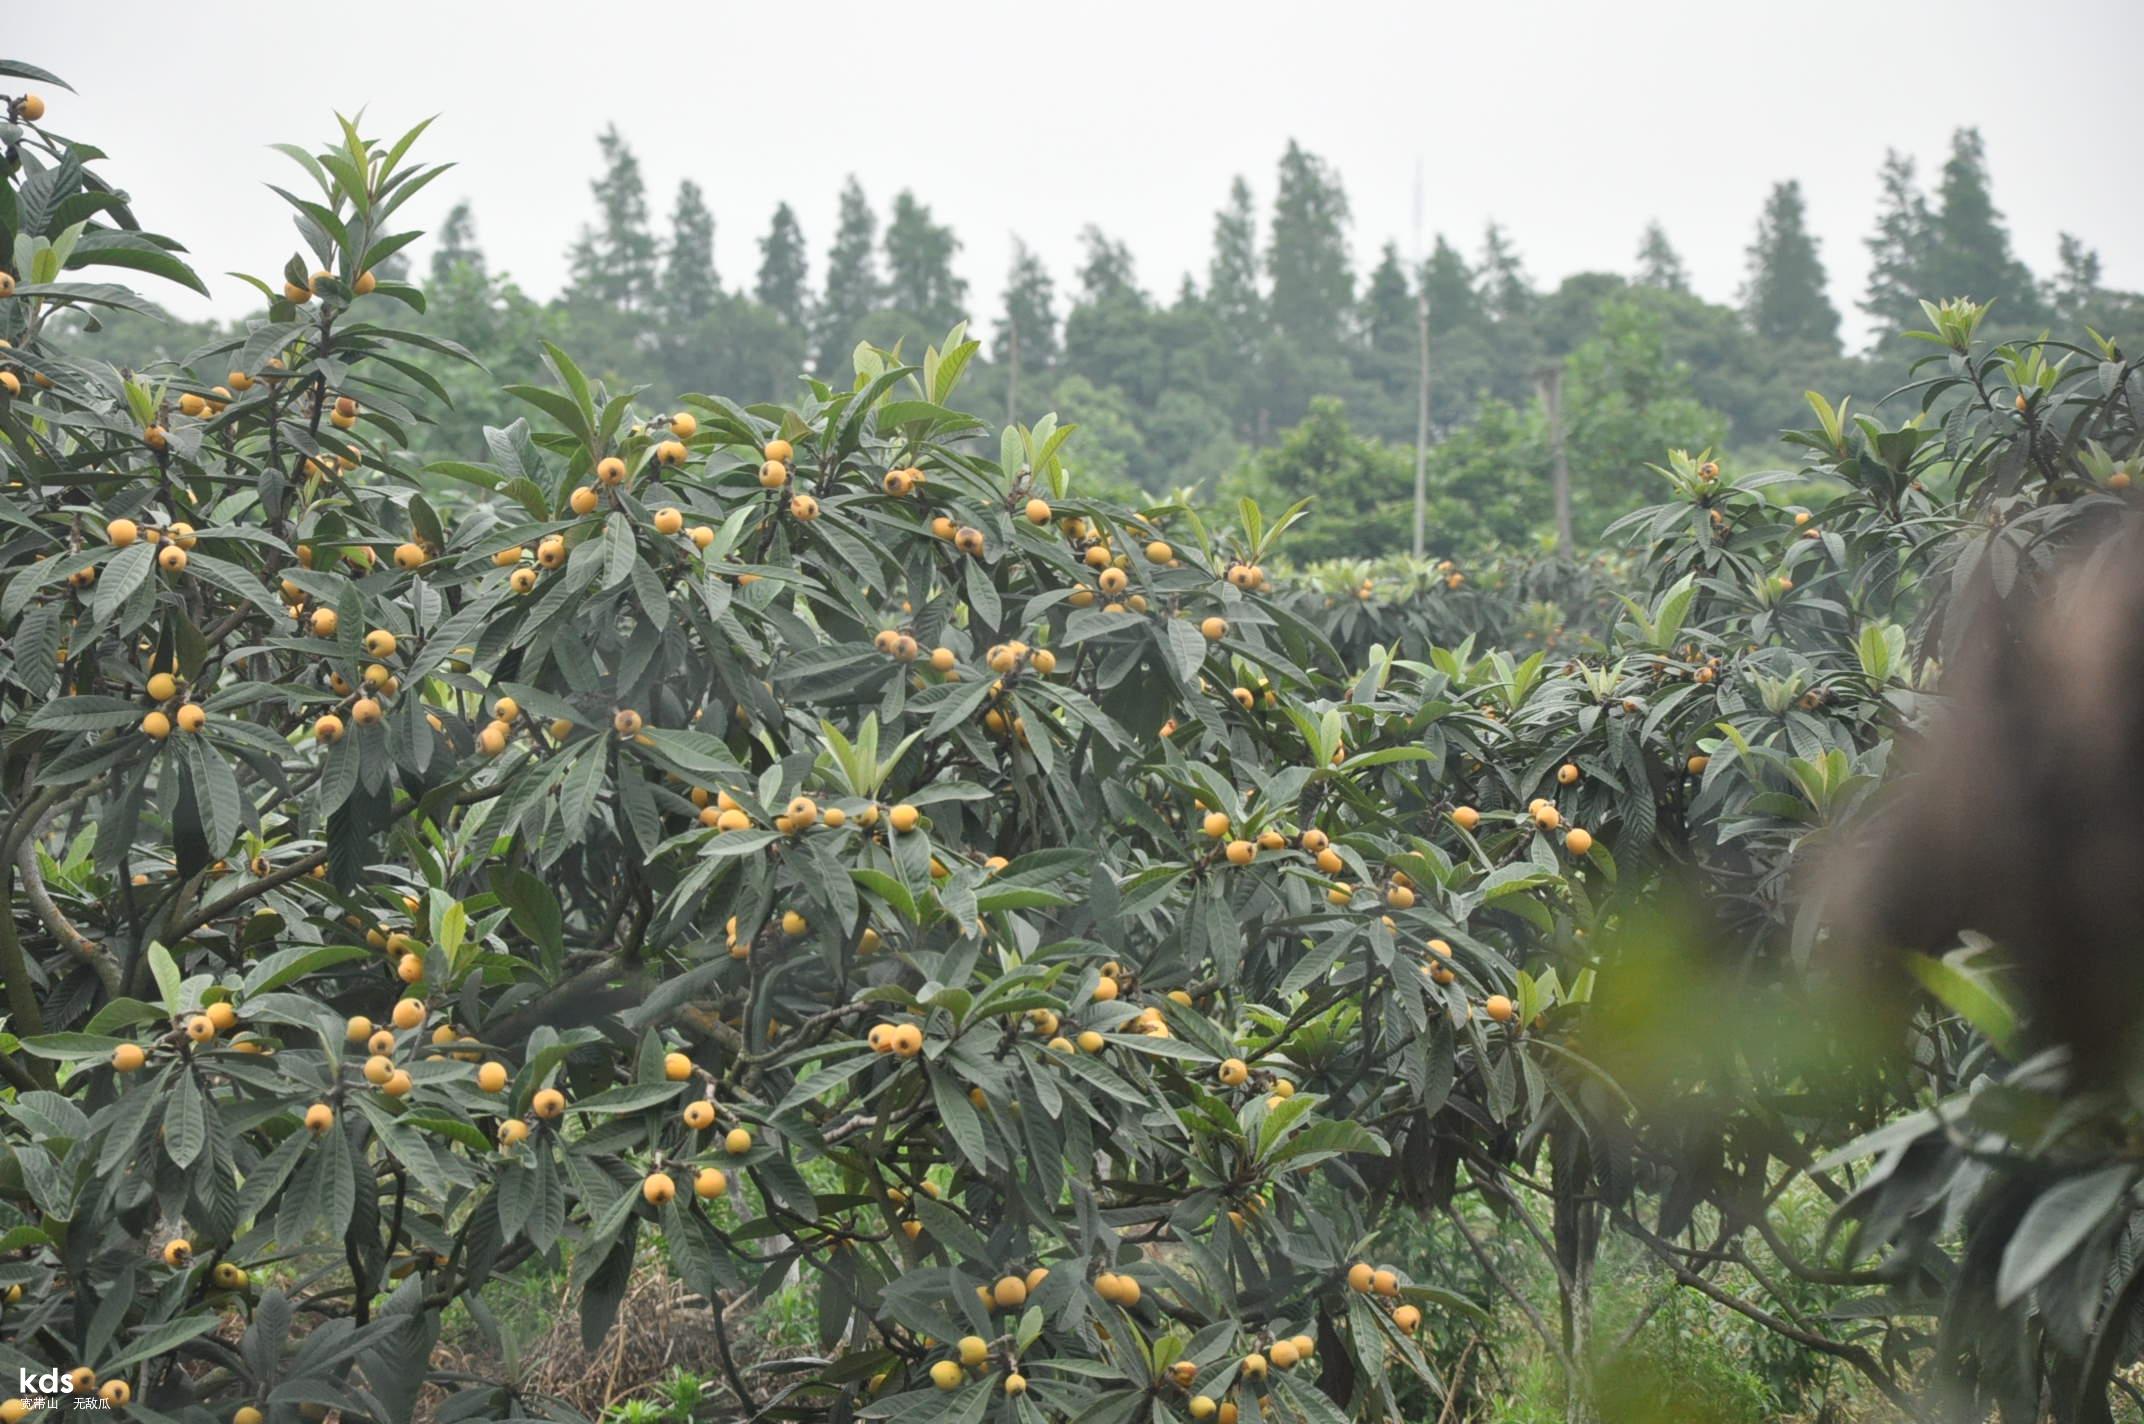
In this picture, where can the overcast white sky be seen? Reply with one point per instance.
(1572, 124)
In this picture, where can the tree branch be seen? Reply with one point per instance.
(1853, 1355)
(49, 913)
(1518, 1297)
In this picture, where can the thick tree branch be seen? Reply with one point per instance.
(53, 918)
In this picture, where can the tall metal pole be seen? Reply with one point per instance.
(1012, 375)
(1421, 414)
(1421, 357)
(1551, 378)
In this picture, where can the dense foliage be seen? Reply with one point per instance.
(826, 837)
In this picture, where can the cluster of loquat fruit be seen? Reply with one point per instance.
(1384, 1283)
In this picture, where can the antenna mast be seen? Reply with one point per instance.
(1421, 419)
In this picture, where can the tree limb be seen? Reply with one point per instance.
(54, 919)
(1853, 1355)
(1518, 1297)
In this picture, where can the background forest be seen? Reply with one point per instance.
(1282, 371)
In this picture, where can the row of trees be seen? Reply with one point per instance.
(1293, 275)
(1286, 280)
(1284, 373)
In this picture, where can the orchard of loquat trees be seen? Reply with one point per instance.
(816, 839)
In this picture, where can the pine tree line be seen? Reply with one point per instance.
(1278, 372)
(1281, 370)
(1290, 279)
